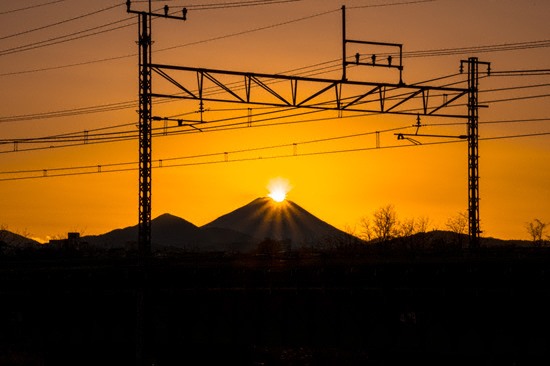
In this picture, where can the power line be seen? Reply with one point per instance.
(123, 135)
(216, 154)
(65, 38)
(526, 120)
(239, 4)
(60, 39)
(518, 98)
(515, 88)
(419, 53)
(529, 72)
(61, 22)
(31, 7)
(217, 38)
(98, 169)
(51, 68)
(131, 104)
(392, 4)
(479, 49)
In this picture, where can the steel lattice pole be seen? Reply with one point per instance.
(473, 153)
(145, 137)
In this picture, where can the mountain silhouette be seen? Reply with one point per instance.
(166, 230)
(171, 231)
(238, 231)
(264, 218)
(8, 238)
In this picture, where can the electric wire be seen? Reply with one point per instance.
(528, 72)
(240, 4)
(233, 118)
(526, 120)
(30, 7)
(61, 22)
(72, 37)
(131, 104)
(59, 40)
(217, 153)
(67, 37)
(239, 33)
(478, 49)
(99, 169)
(174, 130)
(391, 4)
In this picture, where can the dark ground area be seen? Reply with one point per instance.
(476, 308)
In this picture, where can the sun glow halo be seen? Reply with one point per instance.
(278, 196)
(278, 188)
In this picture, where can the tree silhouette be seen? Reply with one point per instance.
(385, 224)
(458, 224)
(366, 229)
(408, 227)
(536, 230)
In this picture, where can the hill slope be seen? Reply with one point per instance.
(166, 230)
(264, 218)
(15, 240)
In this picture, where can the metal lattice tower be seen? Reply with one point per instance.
(143, 325)
(145, 135)
(145, 121)
(474, 229)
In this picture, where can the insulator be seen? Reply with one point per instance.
(184, 12)
(389, 60)
(373, 57)
(166, 10)
(357, 58)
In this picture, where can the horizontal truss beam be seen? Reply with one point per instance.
(307, 92)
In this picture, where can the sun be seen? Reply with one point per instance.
(277, 195)
(278, 188)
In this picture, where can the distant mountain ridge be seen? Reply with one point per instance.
(15, 240)
(171, 231)
(239, 230)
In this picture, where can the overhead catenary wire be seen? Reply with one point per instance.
(79, 134)
(131, 104)
(125, 135)
(100, 169)
(413, 2)
(238, 4)
(220, 153)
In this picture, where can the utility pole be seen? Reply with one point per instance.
(143, 329)
(145, 118)
(474, 229)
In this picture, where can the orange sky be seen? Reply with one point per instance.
(340, 188)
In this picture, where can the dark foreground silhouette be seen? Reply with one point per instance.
(333, 308)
